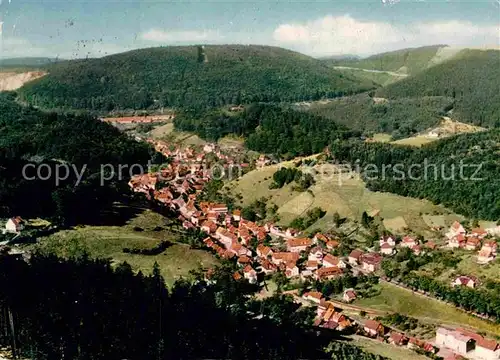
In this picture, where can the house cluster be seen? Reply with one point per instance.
(320, 264)
(461, 342)
(327, 316)
(476, 239)
(139, 119)
(375, 329)
(365, 262)
(388, 245)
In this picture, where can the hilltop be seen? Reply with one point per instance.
(471, 79)
(189, 76)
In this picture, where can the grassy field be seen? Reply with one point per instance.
(418, 140)
(386, 350)
(393, 298)
(108, 242)
(334, 192)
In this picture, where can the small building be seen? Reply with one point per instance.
(469, 281)
(250, 274)
(397, 339)
(349, 295)
(387, 249)
(409, 242)
(355, 257)
(314, 296)
(472, 243)
(371, 262)
(14, 225)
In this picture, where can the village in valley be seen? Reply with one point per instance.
(262, 248)
(263, 251)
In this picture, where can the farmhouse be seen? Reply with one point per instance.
(472, 243)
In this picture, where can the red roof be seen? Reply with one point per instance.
(356, 254)
(372, 325)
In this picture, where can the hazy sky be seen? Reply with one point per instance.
(79, 28)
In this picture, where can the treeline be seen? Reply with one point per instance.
(73, 147)
(268, 129)
(399, 117)
(461, 172)
(176, 76)
(471, 79)
(86, 309)
(481, 302)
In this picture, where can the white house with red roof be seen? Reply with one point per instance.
(387, 249)
(387, 239)
(455, 229)
(314, 296)
(409, 242)
(469, 281)
(250, 274)
(316, 254)
(349, 295)
(14, 225)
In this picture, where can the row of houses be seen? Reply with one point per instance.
(476, 239)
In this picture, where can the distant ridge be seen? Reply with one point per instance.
(175, 76)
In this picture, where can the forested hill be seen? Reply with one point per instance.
(461, 172)
(188, 75)
(472, 79)
(406, 61)
(46, 141)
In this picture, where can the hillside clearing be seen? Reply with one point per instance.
(108, 242)
(333, 192)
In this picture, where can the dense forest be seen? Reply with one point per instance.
(51, 141)
(399, 117)
(86, 309)
(471, 79)
(461, 172)
(188, 76)
(268, 128)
